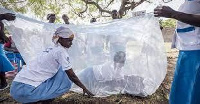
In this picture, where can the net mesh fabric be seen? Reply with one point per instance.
(94, 48)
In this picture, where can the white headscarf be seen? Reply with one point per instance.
(63, 32)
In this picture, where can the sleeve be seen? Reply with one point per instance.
(64, 60)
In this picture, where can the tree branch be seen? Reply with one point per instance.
(109, 4)
(135, 4)
(74, 11)
(16, 2)
(86, 7)
(126, 5)
(97, 6)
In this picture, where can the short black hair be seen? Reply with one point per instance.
(49, 15)
(93, 20)
(120, 57)
(64, 15)
(114, 11)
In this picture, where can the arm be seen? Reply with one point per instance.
(12, 49)
(168, 12)
(7, 16)
(74, 78)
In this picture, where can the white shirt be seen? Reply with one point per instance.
(187, 37)
(107, 72)
(44, 66)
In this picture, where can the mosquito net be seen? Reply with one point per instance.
(121, 56)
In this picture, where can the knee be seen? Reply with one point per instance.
(16, 91)
(13, 92)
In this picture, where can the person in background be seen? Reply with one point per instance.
(93, 20)
(5, 64)
(10, 46)
(186, 82)
(65, 18)
(114, 14)
(107, 75)
(51, 18)
(50, 75)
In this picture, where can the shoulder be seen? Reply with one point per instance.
(60, 50)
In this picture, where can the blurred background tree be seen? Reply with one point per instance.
(74, 8)
(168, 23)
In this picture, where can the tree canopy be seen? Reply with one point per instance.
(77, 8)
(168, 23)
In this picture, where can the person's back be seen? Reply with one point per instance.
(107, 72)
(43, 67)
(103, 72)
(50, 74)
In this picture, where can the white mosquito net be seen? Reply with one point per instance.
(121, 56)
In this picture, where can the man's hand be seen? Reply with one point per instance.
(9, 16)
(88, 92)
(164, 11)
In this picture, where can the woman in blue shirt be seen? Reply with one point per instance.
(5, 65)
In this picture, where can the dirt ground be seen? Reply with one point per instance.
(161, 96)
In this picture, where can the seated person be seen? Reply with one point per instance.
(50, 75)
(109, 78)
(10, 46)
(104, 77)
(5, 64)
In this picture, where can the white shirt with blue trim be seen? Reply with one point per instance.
(187, 37)
(45, 66)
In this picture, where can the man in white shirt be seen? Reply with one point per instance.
(50, 74)
(106, 77)
(186, 82)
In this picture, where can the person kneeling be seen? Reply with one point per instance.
(49, 75)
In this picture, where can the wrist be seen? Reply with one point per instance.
(174, 14)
